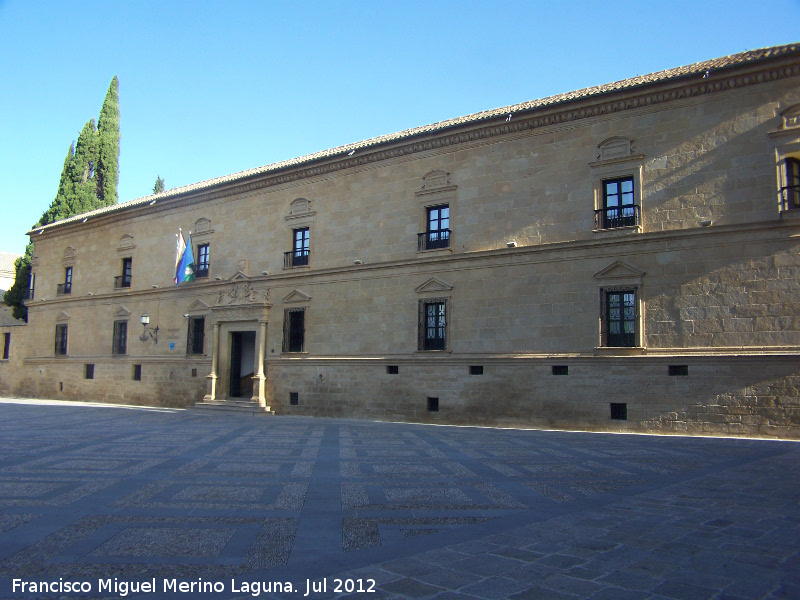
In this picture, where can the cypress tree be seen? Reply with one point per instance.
(83, 172)
(159, 186)
(59, 207)
(88, 181)
(108, 134)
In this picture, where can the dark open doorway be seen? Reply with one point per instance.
(243, 346)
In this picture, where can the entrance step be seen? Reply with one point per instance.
(238, 405)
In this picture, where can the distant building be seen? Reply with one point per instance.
(7, 271)
(624, 257)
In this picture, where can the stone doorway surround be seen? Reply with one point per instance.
(239, 308)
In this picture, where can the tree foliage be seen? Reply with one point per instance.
(88, 181)
(159, 186)
(108, 146)
(15, 296)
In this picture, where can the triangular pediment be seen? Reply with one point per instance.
(240, 276)
(198, 306)
(122, 312)
(296, 296)
(619, 270)
(434, 284)
(63, 317)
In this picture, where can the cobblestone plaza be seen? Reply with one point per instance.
(116, 495)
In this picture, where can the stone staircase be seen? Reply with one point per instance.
(238, 405)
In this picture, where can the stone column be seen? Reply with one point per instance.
(259, 380)
(212, 377)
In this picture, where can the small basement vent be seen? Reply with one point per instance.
(619, 411)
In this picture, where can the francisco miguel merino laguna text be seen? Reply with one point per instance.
(254, 588)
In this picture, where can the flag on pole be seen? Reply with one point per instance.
(180, 247)
(185, 270)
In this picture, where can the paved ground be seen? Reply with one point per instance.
(111, 496)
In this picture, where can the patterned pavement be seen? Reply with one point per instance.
(231, 506)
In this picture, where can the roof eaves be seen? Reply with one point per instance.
(704, 67)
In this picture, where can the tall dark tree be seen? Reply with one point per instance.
(159, 186)
(88, 181)
(108, 146)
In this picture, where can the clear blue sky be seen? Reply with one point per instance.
(212, 88)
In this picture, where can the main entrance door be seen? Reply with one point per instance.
(243, 346)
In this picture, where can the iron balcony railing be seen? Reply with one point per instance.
(63, 288)
(122, 281)
(201, 271)
(433, 240)
(627, 215)
(295, 258)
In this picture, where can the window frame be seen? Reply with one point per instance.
(299, 256)
(613, 169)
(437, 228)
(294, 330)
(61, 339)
(790, 191)
(622, 214)
(439, 340)
(66, 287)
(203, 266)
(119, 342)
(124, 280)
(621, 339)
(192, 336)
(6, 344)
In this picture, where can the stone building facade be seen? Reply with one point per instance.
(622, 257)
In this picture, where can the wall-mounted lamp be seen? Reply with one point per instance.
(357, 261)
(265, 272)
(155, 287)
(153, 202)
(511, 243)
(217, 278)
(153, 333)
(705, 223)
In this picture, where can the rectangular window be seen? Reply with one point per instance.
(66, 287)
(294, 398)
(433, 325)
(61, 339)
(791, 193)
(476, 370)
(124, 280)
(433, 404)
(678, 370)
(196, 335)
(560, 370)
(6, 345)
(620, 318)
(120, 341)
(294, 329)
(437, 234)
(29, 293)
(619, 208)
(88, 371)
(301, 240)
(137, 372)
(392, 369)
(203, 261)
